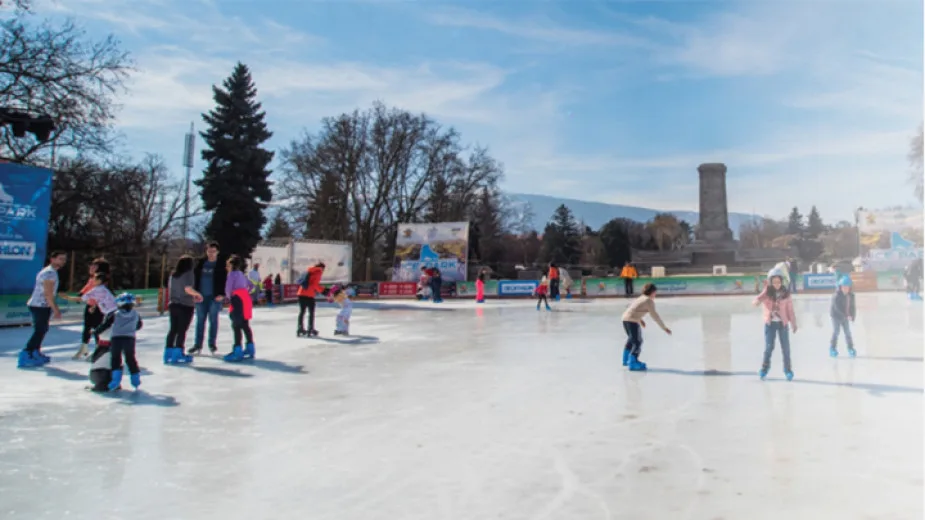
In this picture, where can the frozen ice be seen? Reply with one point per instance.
(497, 411)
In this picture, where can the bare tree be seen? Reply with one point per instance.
(366, 172)
(57, 71)
(917, 175)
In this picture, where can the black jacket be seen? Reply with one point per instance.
(843, 305)
(218, 276)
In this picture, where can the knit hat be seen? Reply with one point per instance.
(845, 281)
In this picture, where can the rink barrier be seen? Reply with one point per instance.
(14, 311)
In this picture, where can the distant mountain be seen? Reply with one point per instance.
(596, 214)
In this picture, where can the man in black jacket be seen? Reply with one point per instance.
(210, 275)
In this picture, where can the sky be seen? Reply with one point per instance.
(808, 102)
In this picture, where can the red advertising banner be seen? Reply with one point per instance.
(290, 292)
(397, 289)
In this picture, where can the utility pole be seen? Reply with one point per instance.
(190, 144)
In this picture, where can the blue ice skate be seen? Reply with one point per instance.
(789, 375)
(763, 373)
(180, 357)
(548, 308)
(833, 351)
(168, 355)
(235, 355)
(116, 380)
(136, 380)
(27, 360)
(852, 352)
(626, 356)
(635, 365)
(45, 359)
(248, 351)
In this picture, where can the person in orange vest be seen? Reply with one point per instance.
(309, 287)
(628, 274)
(553, 281)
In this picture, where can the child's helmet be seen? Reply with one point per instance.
(845, 281)
(125, 300)
(775, 272)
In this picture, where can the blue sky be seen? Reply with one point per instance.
(809, 102)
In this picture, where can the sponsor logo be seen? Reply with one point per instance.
(17, 250)
(819, 281)
(10, 211)
(524, 288)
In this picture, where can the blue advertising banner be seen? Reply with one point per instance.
(517, 288)
(25, 203)
(814, 282)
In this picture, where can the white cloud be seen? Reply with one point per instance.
(543, 31)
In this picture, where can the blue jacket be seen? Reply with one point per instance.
(843, 305)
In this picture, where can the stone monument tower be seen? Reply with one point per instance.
(714, 213)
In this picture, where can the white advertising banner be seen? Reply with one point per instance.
(337, 258)
(444, 245)
(272, 260)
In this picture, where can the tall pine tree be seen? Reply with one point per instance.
(562, 238)
(814, 224)
(235, 185)
(795, 222)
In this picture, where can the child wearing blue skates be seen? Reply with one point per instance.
(124, 324)
(843, 311)
(633, 323)
(777, 310)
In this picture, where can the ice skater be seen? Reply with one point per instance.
(843, 311)
(436, 285)
(541, 291)
(553, 274)
(778, 315)
(913, 278)
(123, 324)
(182, 301)
(92, 315)
(633, 323)
(339, 296)
(42, 307)
(309, 288)
(480, 287)
(238, 290)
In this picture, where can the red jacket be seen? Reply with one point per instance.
(541, 289)
(314, 282)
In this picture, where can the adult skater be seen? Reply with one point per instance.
(309, 289)
(843, 311)
(238, 290)
(778, 315)
(124, 323)
(913, 277)
(278, 285)
(553, 275)
(268, 289)
(92, 315)
(254, 277)
(210, 278)
(628, 274)
(436, 285)
(793, 270)
(182, 300)
(43, 308)
(633, 323)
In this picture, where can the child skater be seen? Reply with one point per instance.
(633, 323)
(778, 314)
(480, 287)
(123, 323)
(238, 291)
(843, 310)
(339, 296)
(92, 314)
(541, 291)
(182, 299)
(97, 295)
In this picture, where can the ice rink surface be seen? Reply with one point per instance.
(497, 412)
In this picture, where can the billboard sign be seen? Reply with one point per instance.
(444, 245)
(272, 260)
(517, 287)
(337, 258)
(25, 205)
(818, 282)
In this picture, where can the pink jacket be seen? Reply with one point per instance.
(785, 308)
